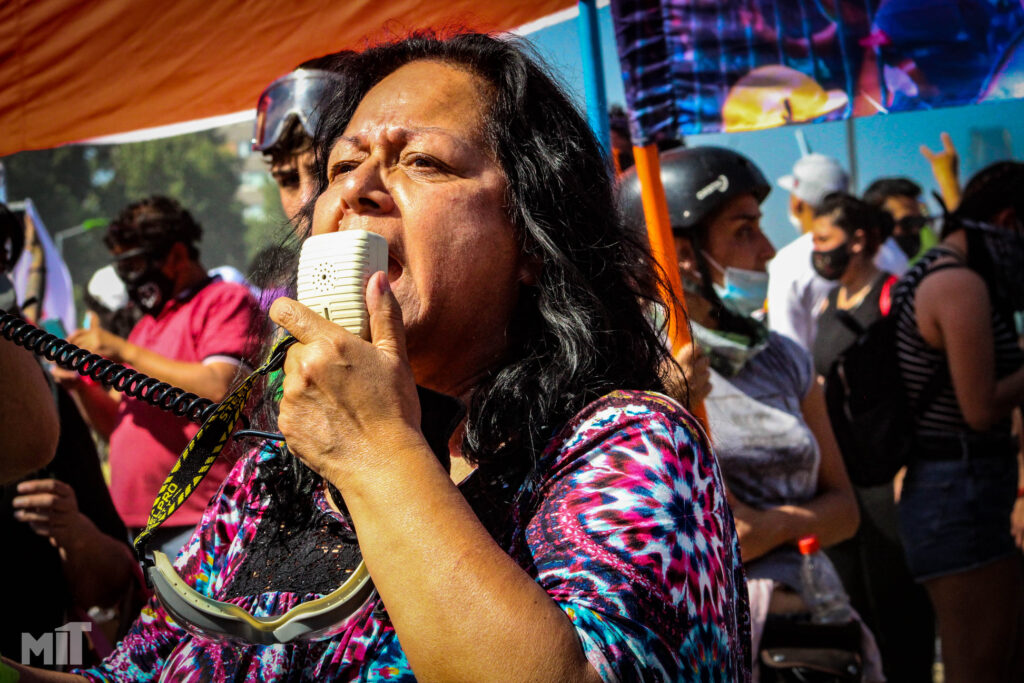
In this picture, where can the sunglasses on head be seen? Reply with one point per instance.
(913, 223)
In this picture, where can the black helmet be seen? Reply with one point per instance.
(698, 181)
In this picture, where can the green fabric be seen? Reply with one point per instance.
(928, 240)
(729, 351)
(7, 674)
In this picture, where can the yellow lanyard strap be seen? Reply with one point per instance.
(202, 451)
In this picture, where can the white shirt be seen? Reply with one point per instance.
(796, 292)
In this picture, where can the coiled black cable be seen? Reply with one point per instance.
(105, 371)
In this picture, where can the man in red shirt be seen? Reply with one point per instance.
(195, 334)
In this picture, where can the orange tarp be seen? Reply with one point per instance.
(77, 69)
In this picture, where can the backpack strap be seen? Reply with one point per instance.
(885, 298)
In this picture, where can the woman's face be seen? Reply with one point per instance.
(413, 166)
(734, 238)
(826, 235)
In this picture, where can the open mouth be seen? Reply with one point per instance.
(394, 269)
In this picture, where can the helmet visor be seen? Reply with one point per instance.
(296, 95)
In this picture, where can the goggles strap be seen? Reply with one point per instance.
(199, 455)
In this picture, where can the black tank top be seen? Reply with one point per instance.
(919, 361)
(833, 335)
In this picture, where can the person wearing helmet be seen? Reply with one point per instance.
(286, 119)
(782, 467)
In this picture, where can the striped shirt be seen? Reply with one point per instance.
(919, 361)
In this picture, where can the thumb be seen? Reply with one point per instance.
(927, 153)
(387, 332)
(92, 321)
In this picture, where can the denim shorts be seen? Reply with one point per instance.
(955, 514)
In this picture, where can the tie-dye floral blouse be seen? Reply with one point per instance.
(629, 533)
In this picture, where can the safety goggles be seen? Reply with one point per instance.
(132, 264)
(913, 224)
(212, 619)
(295, 95)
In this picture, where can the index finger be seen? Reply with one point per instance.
(37, 500)
(301, 321)
(947, 142)
(40, 486)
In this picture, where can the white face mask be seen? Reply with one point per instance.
(795, 222)
(744, 291)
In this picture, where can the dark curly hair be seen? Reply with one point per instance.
(155, 224)
(583, 329)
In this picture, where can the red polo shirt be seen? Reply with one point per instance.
(213, 325)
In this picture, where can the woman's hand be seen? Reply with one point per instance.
(347, 402)
(697, 369)
(946, 169)
(759, 531)
(49, 506)
(690, 381)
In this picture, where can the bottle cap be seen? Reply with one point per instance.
(808, 545)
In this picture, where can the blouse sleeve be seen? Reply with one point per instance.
(152, 639)
(632, 537)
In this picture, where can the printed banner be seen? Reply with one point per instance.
(707, 66)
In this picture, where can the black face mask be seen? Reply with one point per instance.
(151, 291)
(997, 254)
(909, 244)
(149, 288)
(833, 263)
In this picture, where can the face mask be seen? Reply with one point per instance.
(833, 263)
(997, 254)
(909, 244)
(744, 291)
(148, 287)
(797, 225)
(151, 291)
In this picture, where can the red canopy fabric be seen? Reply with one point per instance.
(77, 69)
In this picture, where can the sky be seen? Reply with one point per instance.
(884, 144)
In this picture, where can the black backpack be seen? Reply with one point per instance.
(871, 415)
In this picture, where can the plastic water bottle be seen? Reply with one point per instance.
(822, 588)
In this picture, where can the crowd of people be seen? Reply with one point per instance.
(562, 515)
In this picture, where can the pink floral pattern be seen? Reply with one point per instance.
(627, 530)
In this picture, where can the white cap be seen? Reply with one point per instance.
(814, 177)
(229, 274)
(107, 288)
